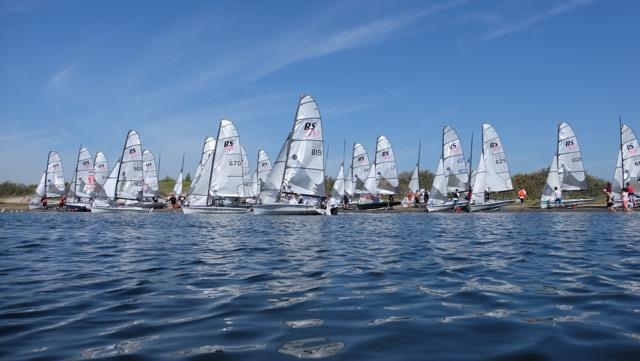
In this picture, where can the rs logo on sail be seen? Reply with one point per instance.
(311, 130)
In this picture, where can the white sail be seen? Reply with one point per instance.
(359, 169)
(414, 182)
(338, 186)
(177, 188)
(387, 172)
(304, 170)
(150, 175)
(262, 171)
(629, 160)
(348, 183)
(553, 181)
(498, 176)
(247, 182)
(101, 169)
(84, 183)
(36, 198)
(109, 186)
(198, 192)
(479, 185)
(52, 181)
(439, 186)
(272, 186)
(371, 184)
(570, 167)
(455, 165)
(226, 180)
(130, 178)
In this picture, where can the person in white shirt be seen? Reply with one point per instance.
(558, 194)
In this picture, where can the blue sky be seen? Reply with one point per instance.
(84, 72)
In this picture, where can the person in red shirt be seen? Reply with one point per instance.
(522, 194)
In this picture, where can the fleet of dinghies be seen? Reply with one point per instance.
(294, 183)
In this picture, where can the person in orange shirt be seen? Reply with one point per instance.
(522, 194)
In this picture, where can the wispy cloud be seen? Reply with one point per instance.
(57, 81)
(527, 23)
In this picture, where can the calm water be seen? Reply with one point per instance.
(522, 286)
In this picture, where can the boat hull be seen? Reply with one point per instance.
(77, 207)
(444, 207)
(490, 205)
(214, 210)
(287, 209)
(124, 209)
(376, 205)
(569, 203)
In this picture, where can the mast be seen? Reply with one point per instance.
(558, 153)
(446, 174)
(470, 163)
(289, 140)
(353, 183)
(621, 155)
(158, 168)
(115, 194)
(375, 164)
(257, 175)
(75, 174)
(213, 163)
(46, 174)
(181, 167)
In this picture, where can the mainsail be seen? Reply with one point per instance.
(567, 170)
(52, 181)
(101, 169)
(83, 184)
(300, 163)
(262, 171)
(359, 169)
(387, 172)
(439, 187)
(304, 168)
(414, 182)
(455, 165)
(130, 179)
(247, 182)
(177, 188)
(150, 175)
(371, 184)
(628, 164)
(198, 192)
(348, 182)
(493, 173)
(226, 177)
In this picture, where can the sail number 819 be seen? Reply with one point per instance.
(316, 152)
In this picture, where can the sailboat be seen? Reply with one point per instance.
(222, 177)
(263, 167)
(566, 172)
(123, 189)
(151, 187)
(299, 167)
(177, 188)
(493, 173)
(451, 174)
(83, 184)
(198, 192)
(382, 178)
(628, 164)
(360, 168)
(51, 183)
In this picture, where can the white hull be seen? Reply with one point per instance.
(78, 205)
(490, 205)
(123, 209)
(569, 203)
(287, 209)
(447, 206)
(214, 210)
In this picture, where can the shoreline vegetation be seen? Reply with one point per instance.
(15, 196)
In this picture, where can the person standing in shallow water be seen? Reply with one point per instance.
(522, 195)
(632, 194)
(558, 193)
(610, 202)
